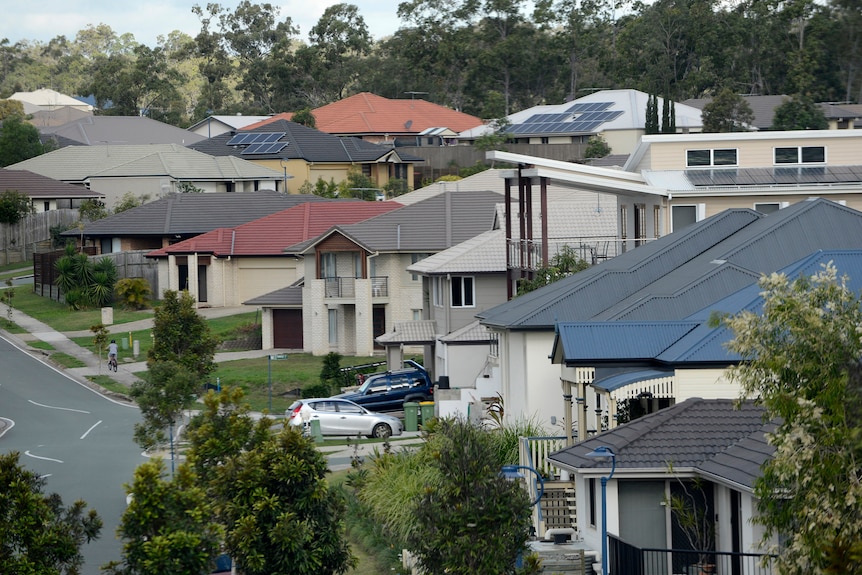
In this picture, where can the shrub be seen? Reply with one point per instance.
(133, 293)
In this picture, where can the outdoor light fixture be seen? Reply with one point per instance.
(605, 452)
(512, 473)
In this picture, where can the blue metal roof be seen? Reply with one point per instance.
(618, 380)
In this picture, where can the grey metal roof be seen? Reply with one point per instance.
(37, 186)
(762, 108)
(306, 144)
(687, 343)
(431, 225)
(191, 214)
(484, 253)
(709, 436)
(410, 332)
(680, 273)
(471, 333)
(122, 130)
(290, 296)
(584, 295)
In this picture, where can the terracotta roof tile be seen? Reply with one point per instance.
(271, 234)
(368, 113)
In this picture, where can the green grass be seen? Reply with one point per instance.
(222, 327)
(61, 318)
(9, 271)
(67, 360)
(295, 372)
(41, 345)
(11, 327)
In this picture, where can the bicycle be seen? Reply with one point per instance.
(112, 363)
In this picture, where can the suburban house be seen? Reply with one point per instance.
(46, 99)
(178, 217)
(669, 278)
(149, 171)
(617, 115)
(45, 194)
(841, 116)
(673, 180)
(212, 126)
(383, 121)
(306, 155)
(229, 265)
(470, 277)
(356, 286)
(703, 454)
(117, 130)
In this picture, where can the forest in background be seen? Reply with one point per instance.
(489, 58)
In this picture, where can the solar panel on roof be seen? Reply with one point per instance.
(724, 177)
(270, 137)
(264, 148)
(240, 139)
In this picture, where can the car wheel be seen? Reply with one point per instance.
(381, 430)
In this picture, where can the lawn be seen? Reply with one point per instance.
(14, 270)
(59, 317)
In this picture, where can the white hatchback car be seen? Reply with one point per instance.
(343, 417)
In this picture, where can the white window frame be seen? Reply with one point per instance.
(463, 290)
(328, 264)
(437, 290)
(800, 160)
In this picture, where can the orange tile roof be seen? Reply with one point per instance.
(368, 113)
(268, 236)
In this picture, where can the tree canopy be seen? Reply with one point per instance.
(38, 534)
(727, 112)
(801, 358)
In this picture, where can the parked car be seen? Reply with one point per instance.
(387, 391)
(343, 417)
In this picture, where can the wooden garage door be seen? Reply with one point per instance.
(287, 328)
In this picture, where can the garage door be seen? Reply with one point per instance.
(287, 328)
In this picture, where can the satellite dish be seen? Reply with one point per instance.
(407, 124)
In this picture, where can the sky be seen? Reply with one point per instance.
(47, 19)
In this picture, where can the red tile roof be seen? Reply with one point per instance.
(269, 235)
(368, 113)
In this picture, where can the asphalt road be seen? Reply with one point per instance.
(78, 439)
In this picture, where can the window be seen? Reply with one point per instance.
(769, 207)
(682, 216)
(416, 258)
(366, 170)
(800, 155)
(333, 325)
(640, 223)
(437, 291)
(656, 220)
(417, 314)
(357, 265)
(463, 294)
(327, 265)
(399, 171)
(719, 157)
(591, 482)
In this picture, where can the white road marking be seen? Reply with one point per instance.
(28, 454)
(91, 429)
(60, 408)
(10, 425)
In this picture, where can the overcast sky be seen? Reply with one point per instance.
(146, 20)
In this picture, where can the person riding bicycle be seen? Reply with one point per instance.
(112, 351)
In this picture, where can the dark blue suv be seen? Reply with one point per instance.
(387, 391)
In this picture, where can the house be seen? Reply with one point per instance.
(118, 130)
(149, 171)
(384, 121)
(47, 99)
(841, 116)
(669, 278)
(617, 115)
(229, 265)
(356, 286)
(471, 277)
(178, 217)
(212, 126)
(307, 155)
(704, 453)
(45, 193)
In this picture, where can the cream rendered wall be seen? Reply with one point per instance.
(254, 277)
(622, 141)
(704, 383)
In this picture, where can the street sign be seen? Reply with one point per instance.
(278, 356)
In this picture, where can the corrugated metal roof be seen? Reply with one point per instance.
(290, 296)
(587, 294)
(673, 276)
(471, 333)
(618, 380)
(711, 436)
(410, 332)
(593, 343)
(485, 253)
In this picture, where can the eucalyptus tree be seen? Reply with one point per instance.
(214, 64)
(339, 40)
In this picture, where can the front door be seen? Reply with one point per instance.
(378, 323)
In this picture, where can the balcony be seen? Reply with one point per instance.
(345, 287)
(626, 558)
(527, 254)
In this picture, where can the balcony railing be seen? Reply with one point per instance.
(631, 560)
(527, 254)
(345, 287)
